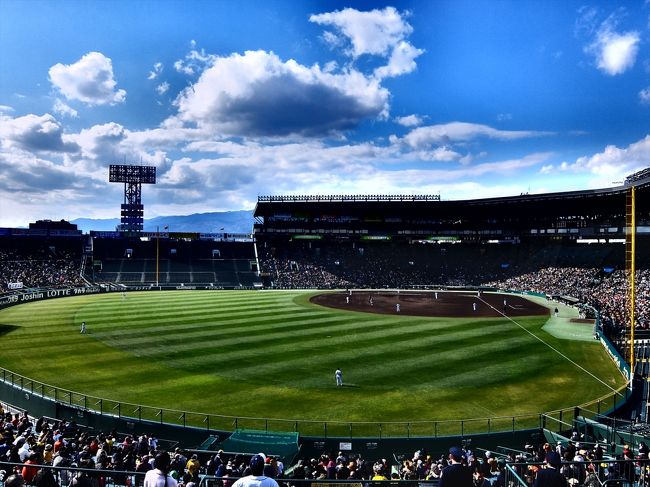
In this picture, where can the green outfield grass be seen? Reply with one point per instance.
(273, 354)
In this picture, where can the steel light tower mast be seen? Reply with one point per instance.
(133, 177)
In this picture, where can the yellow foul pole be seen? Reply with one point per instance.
(157, 251)
(630, 267)
(632, 271)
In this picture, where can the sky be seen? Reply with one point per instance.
(235, 99)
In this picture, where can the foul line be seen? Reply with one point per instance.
(551, 347)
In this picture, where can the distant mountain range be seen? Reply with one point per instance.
(240, 221)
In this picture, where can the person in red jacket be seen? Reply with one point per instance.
(30, 472)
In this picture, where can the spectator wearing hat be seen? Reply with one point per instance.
(48, 454)
(257, 477)
(550, 475)
(456, 474)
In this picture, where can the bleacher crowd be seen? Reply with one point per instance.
(605, 291)
(570, 272)
(41, 270)
(84, 458)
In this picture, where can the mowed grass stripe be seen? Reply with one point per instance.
(283, 340)
(257, 353)
(162, 326)
(375, 367)
(139, 318)
(247, 331)
(373, 363)
(279, 347)
(172, 313)
(187, 301)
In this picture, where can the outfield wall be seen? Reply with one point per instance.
(30, 295)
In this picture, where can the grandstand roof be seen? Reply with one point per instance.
(607, 200)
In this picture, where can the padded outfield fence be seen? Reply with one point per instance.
(32, 390)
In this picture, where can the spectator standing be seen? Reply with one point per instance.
(550, 475)
(257, 477)
(456, 474)
(159, 476)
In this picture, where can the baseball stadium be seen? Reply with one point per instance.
(343, 329)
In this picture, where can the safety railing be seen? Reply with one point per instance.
(64, 476)
(592, 473)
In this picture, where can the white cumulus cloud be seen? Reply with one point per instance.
(377, 32)
(257, 94)
(89, 80)
(614, 163)
(63, 109)
(34, 133)
(409, 120)
(194, 62)
(156, 71)
(614, 52)
(401, 61)
(162, 88)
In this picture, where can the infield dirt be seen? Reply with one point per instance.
(428, 303)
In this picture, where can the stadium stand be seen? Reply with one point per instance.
(40, 262)
(54, 453)
(171, 260)
(525, 243)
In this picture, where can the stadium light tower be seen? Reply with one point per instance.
(133, 177)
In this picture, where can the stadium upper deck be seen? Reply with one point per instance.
(597, 213)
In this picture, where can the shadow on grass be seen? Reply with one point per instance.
(4, 329)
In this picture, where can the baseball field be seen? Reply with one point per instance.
(272, 354)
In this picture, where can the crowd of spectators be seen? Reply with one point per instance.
(41, 269)
(56, 453)
(39, 444)
(555, 270)
(381, 265)
(607, 292)
(28, 447)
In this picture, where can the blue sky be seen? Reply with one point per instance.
(235, 99)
